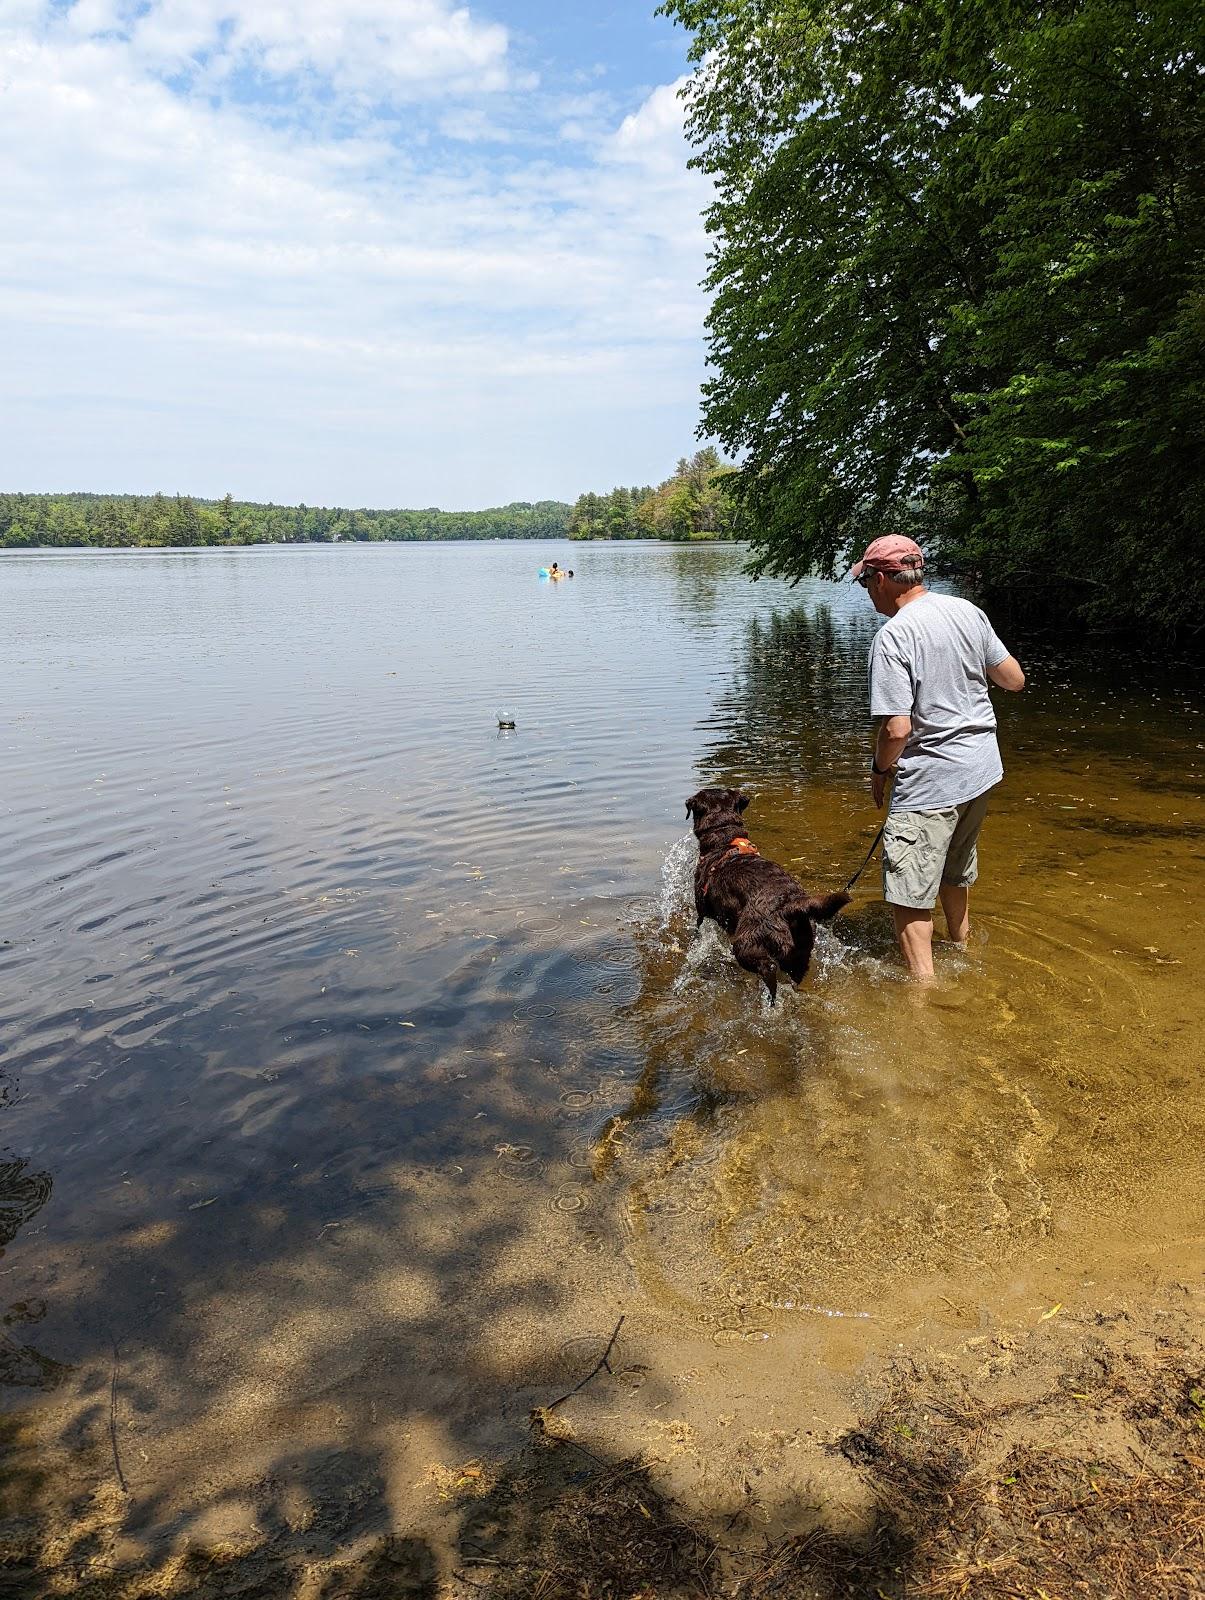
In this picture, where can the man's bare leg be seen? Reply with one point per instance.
(914, 930)
(956, 903)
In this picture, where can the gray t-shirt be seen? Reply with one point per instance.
(929, 662)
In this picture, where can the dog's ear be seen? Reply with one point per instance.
(690, 805)
(742, 800)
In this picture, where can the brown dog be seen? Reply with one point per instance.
(760, 906)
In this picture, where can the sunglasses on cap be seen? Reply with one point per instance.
(906, 571)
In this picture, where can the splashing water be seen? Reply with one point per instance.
(677, 879)
(707, 948)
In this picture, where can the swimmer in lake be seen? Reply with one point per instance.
(930, 666)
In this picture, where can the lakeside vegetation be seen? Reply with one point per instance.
(691, 504)
(64, 521)
(958, 289)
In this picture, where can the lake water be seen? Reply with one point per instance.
(358, 1065)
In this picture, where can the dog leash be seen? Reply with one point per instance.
(874, 846)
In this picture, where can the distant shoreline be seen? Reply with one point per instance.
(692, 505)
(352, 544)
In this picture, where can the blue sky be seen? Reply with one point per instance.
(636, 50)
(370, 252)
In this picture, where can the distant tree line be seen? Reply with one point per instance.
(608, 516)
(692, 504)
(116, 521)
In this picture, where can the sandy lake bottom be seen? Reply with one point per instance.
(360, 1070)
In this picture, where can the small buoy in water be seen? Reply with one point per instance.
(506, 719)
(503, 723)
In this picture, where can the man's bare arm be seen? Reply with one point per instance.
(1008, 674)
(892, 737)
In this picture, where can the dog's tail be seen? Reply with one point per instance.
(825, 907)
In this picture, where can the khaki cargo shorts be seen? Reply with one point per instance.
(924, 849)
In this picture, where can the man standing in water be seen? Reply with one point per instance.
(930, 665)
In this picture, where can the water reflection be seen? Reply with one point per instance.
(797, 703)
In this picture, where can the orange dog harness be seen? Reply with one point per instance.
(737, 847)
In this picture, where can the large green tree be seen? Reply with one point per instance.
(693, 504)
(958, 281)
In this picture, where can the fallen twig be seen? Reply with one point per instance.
(121, 1477)
(603, 1361)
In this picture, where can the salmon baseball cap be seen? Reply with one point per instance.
(892, 553)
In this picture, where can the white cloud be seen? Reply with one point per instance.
(197, 297)
(18, 14)
(653, 135)
(390, 49)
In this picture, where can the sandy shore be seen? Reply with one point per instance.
(1061, 1452)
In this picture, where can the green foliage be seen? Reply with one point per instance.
(959, 288)
(1196, 1399)
(693, 504)
(65, 520)
(608, 516)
